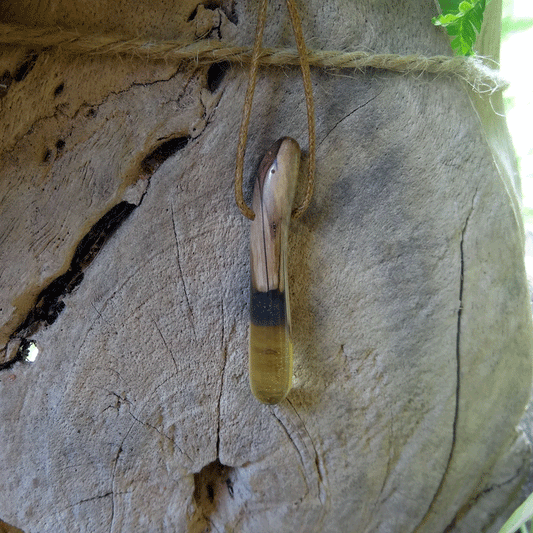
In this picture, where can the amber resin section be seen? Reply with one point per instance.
(270, 346)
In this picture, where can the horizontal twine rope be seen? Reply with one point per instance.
(480, 77)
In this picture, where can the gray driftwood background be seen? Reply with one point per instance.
(125, 260)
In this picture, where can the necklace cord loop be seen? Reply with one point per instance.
(247, 108)
(310, 104)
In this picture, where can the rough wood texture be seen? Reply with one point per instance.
(411, 318)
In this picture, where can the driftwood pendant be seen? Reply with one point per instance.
(270, 318)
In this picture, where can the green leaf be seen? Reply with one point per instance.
(519, 517)
(469, 33)
(462, 21)
(477, 22)
(444, 20)
(448, 6)
(464, 7)
(453, 30)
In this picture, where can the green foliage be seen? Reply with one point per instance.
(449, 6)
(462, 21)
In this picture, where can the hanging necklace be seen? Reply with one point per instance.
(270, 349)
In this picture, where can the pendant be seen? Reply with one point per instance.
(270, 351)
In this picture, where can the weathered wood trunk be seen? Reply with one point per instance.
(411, 319)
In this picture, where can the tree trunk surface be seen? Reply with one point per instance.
(125, 262)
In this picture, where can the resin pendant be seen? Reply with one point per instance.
(270, 318)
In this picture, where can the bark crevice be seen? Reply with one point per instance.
(49, 302)
(458, 374)
(212, 485)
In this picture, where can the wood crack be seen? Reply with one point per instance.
(297, 442)
(320, 471)
(167, 347)
(225, 355)
(49, 303)
(474, 499)
(162, 433)
(80, 502)
(182, 278)
(349, 115)
(113, 475)
(446, 472)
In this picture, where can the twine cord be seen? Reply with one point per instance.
(310, 105)
(246, 110)
(474, 71)
(247, 107)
